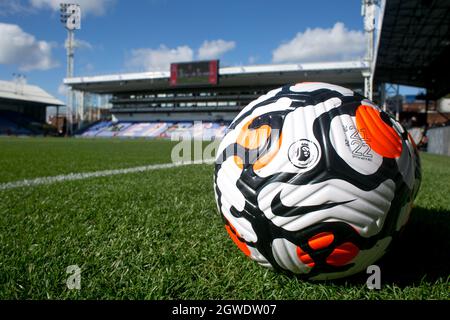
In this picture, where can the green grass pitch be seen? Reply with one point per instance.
(157, 234)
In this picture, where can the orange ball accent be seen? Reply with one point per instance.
(265, 159)
(343, 254)
(321, 240)
(253, 138)
(239, 162)
(304, 257)
(382, 138)
(234, 235)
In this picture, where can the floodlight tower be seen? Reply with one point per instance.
(71, 19)
(368, 12)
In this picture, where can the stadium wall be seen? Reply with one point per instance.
(439, 140)
(174, 116)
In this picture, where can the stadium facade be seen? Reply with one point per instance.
(149, 104)
(149, 96)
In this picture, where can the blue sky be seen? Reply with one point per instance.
(138, 35)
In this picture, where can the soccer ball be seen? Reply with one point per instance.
(314, 179)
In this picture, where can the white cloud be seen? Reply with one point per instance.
(21, 48)
(83, 44)
(159, 59)
(88, 67)
(253, 59)
(214, 49)
(62, 89)
(335, 44)
(96, 7)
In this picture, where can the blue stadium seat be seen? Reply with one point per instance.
(168, 130)
(13, 123)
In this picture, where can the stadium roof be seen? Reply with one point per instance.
(17, 91)
(257, 75)
(414, 45)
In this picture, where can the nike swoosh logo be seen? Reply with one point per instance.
(279, 209)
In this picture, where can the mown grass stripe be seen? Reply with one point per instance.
(95, 174)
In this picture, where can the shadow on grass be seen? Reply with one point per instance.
(421, 253)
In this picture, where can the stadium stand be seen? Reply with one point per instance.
(8, 128)
(23, 108)
(179, 130)
(93, 130)
(13, 123)
(113, 129)
(151, 97)
(212, 130)
(150, 105)
(145, 130)
(153, 130)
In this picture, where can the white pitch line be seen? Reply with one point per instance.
(95, 174)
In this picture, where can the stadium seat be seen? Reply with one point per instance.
(13, 123)
(152, 130)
